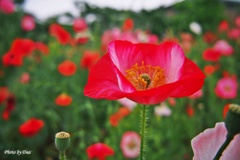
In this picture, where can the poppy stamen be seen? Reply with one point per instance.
(145, 76)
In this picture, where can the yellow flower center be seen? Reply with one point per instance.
(145, 76)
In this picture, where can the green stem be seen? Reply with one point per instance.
(223, 147)
(62, 155)
(143, 131)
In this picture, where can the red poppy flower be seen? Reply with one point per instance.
(223, 26)
(4, 93)
(10, 105)
(128, 25)
(63, 100)
(144, 73)
(67, 68)
(211, 54)
(23, 47)
(89, 59)
(190, 111)
(120, 114)
(31, 127)
(99, 151)
(43, 48)
(62, 36)
(12, 59)
(209, 69)
(209, 37)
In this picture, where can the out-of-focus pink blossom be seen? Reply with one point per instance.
(206, 145)
(25, 78)
(223, 47)
(130, 144)
(234, 33)
(7, 6)
(162, 110)
(27, 23)
(226, 87)
(79, 25)
(237, 21)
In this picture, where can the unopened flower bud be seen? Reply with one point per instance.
(62, 141)
(232, 121)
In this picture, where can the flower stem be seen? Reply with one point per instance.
(62, 155)
(143, 131)
(223, 147)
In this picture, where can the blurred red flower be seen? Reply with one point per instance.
(190, 111)
(4, 93)
(42, 47)
(10, 58)
(62, 36)
(7, 6)
(89, 59)
(210, 54)
(130, 144)
(209, 69)
(209, 37)
(27, 23)
(144, 73)
(23, 47)
(79, 25)
(63, 100)
(31, 127)
(225, 110)
(99, 151)
(10, 105)
(226, 87)
(67, 68)
(223, 26)
(128, 24)
(120, 114)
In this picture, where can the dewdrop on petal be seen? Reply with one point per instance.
(62, 141)
(232, 121)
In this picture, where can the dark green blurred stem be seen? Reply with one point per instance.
(223, 147)
(143, 131)
(62, 155)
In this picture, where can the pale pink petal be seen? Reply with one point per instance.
(232, 152)
(130, 144)
(206, 144)
(127, 103)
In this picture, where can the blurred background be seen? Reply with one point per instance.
(47, 48)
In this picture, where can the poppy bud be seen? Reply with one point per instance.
(62, 141)
(233, 119)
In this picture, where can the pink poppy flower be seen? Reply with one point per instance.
(99, 151)
(27, 23)
(79, 25)
(130, 144)
(206, 145)
(226, 87)
(7, 6)
(25, 78)
(234, 33)
(223, 47)
(144, 73)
